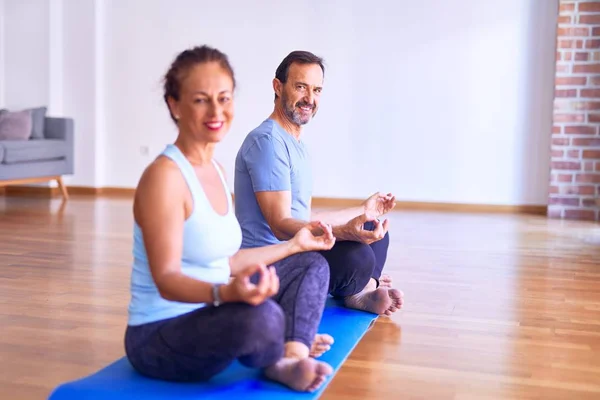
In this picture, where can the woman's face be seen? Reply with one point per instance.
(205, 107)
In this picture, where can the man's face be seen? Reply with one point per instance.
(300, 94)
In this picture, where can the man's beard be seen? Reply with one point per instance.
(294, 114)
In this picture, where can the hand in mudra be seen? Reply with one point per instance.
(241, 289)
(355, 229)
(314, 236)
(379, 204)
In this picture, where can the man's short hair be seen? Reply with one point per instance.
(299, 57)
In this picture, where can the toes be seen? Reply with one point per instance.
(324, 369)
(324, 338)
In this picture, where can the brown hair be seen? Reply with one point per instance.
(300, 57)
(184, 62)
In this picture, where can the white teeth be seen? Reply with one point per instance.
(215, 125)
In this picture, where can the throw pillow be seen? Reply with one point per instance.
(15, 125)
(38, 116)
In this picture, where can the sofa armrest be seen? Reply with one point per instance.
(58, 128)
(62, 129)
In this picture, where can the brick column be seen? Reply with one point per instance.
(575, 165)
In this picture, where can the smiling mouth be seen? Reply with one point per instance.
(306, 108)
(214, 126)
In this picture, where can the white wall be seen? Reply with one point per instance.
(430, 100)
(26, 53)
(2, 51)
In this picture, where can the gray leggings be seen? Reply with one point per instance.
(200, 344)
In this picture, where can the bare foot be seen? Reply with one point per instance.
(385, 281)
(372, 300)
(303, 375)
(397, 300)
(321, 344)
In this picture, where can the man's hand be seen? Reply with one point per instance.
(355, 231)
(379, 204)
(315, 236)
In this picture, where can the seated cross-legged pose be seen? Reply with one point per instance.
(273, 185)
(198, 301)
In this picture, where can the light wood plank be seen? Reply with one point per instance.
(497, 305)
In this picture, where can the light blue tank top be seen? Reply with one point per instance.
(209, 239)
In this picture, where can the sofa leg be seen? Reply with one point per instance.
(62, 187)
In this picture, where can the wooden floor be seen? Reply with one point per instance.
(497, 306)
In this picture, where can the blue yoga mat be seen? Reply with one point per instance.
(120, 381)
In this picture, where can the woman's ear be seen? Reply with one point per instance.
(173, 107)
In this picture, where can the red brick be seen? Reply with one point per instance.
(586, 68)
(555, 212)
(560, 141)
(563, 68)
(557, 153)
(598, 170)
(565, 19)
(586, 105)
(566, 165)
(591, 44)
(590, 92)
(565, 93)
(588, 202)
(558, 56)
(553, 189)
(586, 142)
(582, 56)
(596, 30)
(567, 7)
(572, 80)
(573, 154)
(589, 6)
(581, 129)
(588, 166)
(588, 178)
(572, 43)
(589, 19)
(572, 31)
(591, 154)
(577, 190)
(592, 117)
(564, 201)
(569, 117)
(556, 129)
(596, 56)
(565, 178)
(583, 215)
(595, 80)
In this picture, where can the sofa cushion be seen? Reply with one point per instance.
(15, 125)
(38, 116)
(18, 151)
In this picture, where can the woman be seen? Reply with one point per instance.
(187, 320)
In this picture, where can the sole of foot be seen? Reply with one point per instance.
(303, 375)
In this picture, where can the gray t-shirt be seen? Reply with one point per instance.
(270, 159)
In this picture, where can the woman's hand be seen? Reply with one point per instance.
(240, 289)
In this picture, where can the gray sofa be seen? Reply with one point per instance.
(43, 157)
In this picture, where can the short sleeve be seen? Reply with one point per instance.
(268, 165)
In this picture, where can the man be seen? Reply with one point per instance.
(273, 189)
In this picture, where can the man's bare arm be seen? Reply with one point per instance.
(277, 209)
(337, 217)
